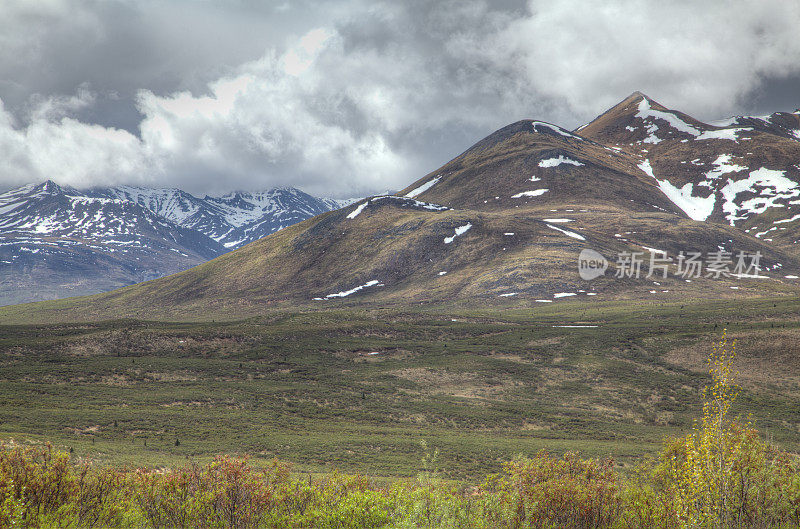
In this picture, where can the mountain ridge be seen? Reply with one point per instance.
(57, 241)
(505, 222)
(233, 219)
(713, 169)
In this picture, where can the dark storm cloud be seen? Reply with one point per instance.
(119, 47)
(774, 95)
(352, 97)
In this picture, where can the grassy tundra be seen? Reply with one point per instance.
(722, 475)
(481, 386)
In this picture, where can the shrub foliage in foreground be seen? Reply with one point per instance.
(722, 475)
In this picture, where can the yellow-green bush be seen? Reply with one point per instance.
(39, 485)
(722, 475)
(226, 493)
(566, 492)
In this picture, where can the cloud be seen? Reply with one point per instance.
(356, 98)
(702, 57)
(67, 150)
(263, 124)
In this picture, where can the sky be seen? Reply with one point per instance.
(351, 98)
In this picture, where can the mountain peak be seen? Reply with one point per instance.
(634, 103)
(635, 96)
(49, 187)
(638, 119)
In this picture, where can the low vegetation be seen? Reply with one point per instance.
(358, 389)
(721, 475)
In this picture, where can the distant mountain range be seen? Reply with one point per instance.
(506, 221)
(57, 241)
(232, 220)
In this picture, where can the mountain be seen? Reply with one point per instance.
(543, 164)
(59, 241)
(506, 221)
(743, 171)
(232, 220)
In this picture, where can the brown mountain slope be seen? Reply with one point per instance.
(394, 253)
(536, 164)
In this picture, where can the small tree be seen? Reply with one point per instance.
(722, 475)
(704, 490)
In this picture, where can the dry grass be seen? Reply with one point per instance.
(764, 358)
(461, 384)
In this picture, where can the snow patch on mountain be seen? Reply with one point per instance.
(647, 168)
(402, 201)
(774, 186)
(359, 288)
(357, 211)
(567, 232)
(723, 166)
(461, 230)
(648, 115)
(554, 128)
(555, 162)
(697, 208)
(785, 221)
(645, 112)
(534, 193)
(424, 187)
(722, 134)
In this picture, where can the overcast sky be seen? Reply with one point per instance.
(353, 97)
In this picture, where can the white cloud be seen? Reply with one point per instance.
(299, 58)
(701, 57)
(381, 93)
(265, 119)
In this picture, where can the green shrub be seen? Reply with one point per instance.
(365, 509)
(563, 492)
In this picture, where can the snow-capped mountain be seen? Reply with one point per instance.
(57, 241)
(636, 195)
(743, 171)
(239, 218)
(233, 220)
(48, 211)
